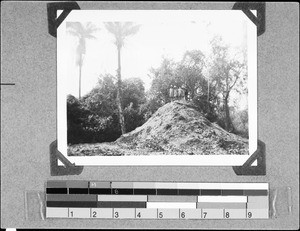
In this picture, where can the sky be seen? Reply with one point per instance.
(154, 40)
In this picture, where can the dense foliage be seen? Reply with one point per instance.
(209, 81)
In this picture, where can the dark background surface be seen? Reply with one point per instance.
(28, 119)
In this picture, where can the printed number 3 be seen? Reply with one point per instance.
(116, 215)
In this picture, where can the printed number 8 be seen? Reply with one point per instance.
(249, 214)
(227, 214)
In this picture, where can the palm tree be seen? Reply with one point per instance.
(82, 32)
(121, 30)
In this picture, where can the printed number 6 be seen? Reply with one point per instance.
(182, 215)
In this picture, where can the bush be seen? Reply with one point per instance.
(133, 118)
(205, 107)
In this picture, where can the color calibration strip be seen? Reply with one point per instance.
(156, 200)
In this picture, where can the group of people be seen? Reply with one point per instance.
(177, 93)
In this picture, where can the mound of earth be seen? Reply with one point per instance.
(176, 128)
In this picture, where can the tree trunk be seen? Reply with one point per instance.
(228, 123)
(208, 90)
(79, 81)
(119, 94)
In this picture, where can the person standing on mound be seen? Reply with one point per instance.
(175, 92)
(185, 92)
(171, 93)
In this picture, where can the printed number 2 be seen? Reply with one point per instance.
(94, 214)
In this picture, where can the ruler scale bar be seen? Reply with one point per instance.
(156, 200)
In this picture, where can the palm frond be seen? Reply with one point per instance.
(121, 30)
(73, 33)
(89, 36)
(129, 28)
(112, 27)
(75, 26)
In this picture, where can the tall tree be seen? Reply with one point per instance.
(163, 78)
(227, 74)
(121, 30)
(190, 70)
(82, 32)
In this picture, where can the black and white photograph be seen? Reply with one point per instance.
(157, 87)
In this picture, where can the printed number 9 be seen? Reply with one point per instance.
(249, 214)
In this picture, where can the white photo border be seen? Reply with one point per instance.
(157, 160)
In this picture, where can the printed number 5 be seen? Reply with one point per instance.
(161, 215)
